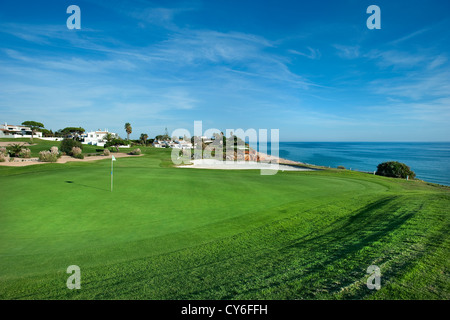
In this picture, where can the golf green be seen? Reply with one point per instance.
(170, 233)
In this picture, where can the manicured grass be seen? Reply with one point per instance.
(41, 145)
(169, 233)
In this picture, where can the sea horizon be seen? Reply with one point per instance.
(429, 160)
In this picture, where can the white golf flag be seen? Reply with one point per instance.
(112, 159)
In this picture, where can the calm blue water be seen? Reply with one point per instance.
(429, 160)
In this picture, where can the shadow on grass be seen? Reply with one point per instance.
(85, 185)
(340, 246)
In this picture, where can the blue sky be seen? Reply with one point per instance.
(311, 69)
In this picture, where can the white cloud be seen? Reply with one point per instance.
(347, 52)
(312, 54)
(415, 85)
(409, 36)
(397, 58)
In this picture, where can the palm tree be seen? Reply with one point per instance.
(128, 129)
(15, 148)
(144, 138)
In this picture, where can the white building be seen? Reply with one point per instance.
(96, 138)
(159, 144)
(182, 144)
(16, 131)
(178, 144)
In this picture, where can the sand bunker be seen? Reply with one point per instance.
(240, 165)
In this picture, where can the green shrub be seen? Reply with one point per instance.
(48, 156)
(78, 156)
(106, 152)
(14, 149)
(341, 167)
(68, 144)
(395, 169)
(115, 143)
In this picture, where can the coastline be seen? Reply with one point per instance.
(266, 162)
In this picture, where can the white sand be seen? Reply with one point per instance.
(239, 165)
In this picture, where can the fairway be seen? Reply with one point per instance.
(170, 233)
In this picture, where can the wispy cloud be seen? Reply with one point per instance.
(311, 54)
(409, 36)
(416, 85)
(347, 52)
(397, 58)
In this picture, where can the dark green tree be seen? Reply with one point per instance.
(34, 126)
(395, 169)
(47, 133)
(116, 142)
(67, 144)
(144, 138)
(74, 131)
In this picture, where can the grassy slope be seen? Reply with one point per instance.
(168, 233)
(40, 145)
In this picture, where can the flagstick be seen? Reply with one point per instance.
(112, 166)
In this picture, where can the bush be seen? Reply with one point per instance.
(3, 151)
(395, 169)
(75, 151)
(136, 152)
(54, 150)
(68, 144)
(14, 149)
(25, 153)
(4, 157)
(78, 156)
(106, 152)
(341, 167)
(115, 143)
(48, 156)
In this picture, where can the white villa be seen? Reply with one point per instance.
(177, 144)
(181, 144)
(15, 131)
(160, 144)
(96, 138)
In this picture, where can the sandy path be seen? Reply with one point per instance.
(63, 159)
(7, 143)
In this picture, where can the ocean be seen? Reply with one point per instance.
(429, 160)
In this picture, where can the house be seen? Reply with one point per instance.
(95, 138)
(159, 144)
(16, 131)
(177, 144)
(183, 144)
